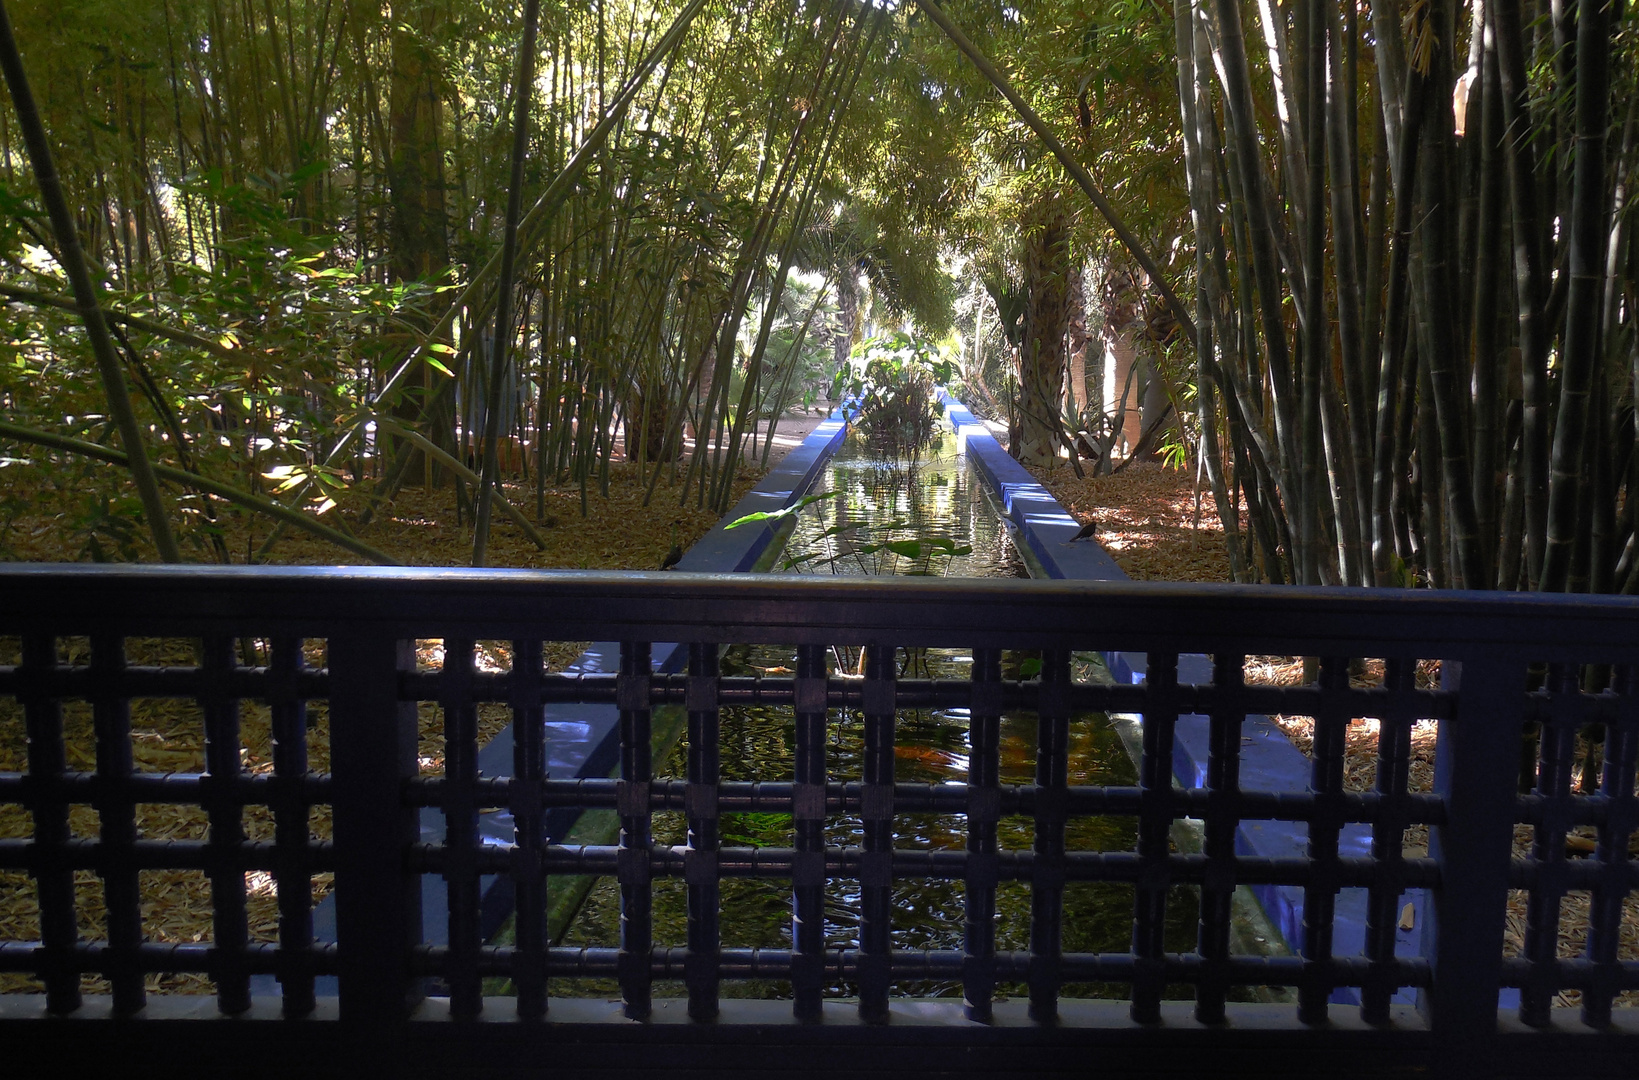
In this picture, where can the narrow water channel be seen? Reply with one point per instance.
(927, 509)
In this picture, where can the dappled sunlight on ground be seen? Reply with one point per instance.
(1147, 521)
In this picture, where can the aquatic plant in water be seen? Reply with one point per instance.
(894, 379)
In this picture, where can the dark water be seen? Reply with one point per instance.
(940, 496)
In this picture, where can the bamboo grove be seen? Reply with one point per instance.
(1415, 287)
(1382, 249)
(296, 211)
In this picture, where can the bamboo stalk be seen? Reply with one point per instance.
(1437, 314)
(1203, 193)
(503, 307)
(1315, 329)
(1587, 279)
(1234, 74)
(1342, 168)
(1487, 247)
(1530, 276)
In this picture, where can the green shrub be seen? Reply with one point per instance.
(894, 380)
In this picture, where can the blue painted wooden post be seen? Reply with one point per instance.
(877, 823)
(378, 901)
(1048, 846)
(117, 825)
(48, 760)
(230, 925)
(1475, 769)
(636, 772)
(291, 814)
(1149, 940)
(983, 813)
(808, 824)
(700, 872)
(529, 829)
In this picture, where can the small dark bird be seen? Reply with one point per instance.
(675, 555)
(1088, 531)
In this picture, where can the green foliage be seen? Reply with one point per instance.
(106, 528)
(236, 170)
(893, 380)
(779, 515)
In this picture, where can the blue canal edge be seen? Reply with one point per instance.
(1269, 761)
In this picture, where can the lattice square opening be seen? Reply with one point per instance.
(176, 905)
(19, 921)
(168, 735)
(73, 649)
(164, 652)
(172, 821)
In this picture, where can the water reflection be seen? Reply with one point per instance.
(939, 497)
(879, 501)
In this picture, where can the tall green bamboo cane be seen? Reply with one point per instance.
(1202, 183)
(524, 87)
(1587, 272)
(1234, 72)
(1342, 167)
(1390, 402)
(1316, 331)
(1437, 315)
(1530, 274)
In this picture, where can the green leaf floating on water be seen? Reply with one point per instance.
(776, 515)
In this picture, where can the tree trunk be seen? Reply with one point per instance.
(417, 245)
(1076, 396)
(1121, 402)
(1046, 322)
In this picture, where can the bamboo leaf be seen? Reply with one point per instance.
(776, 515)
